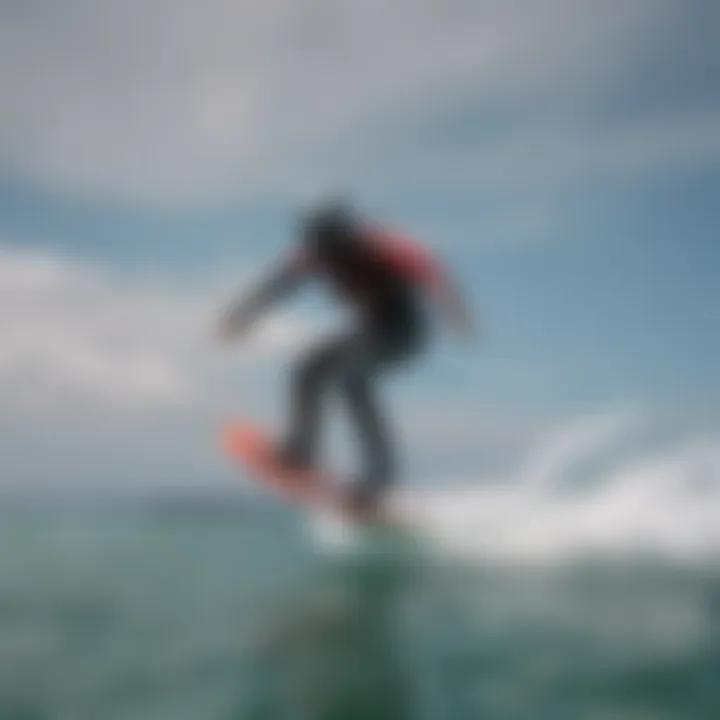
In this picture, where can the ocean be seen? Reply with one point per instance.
(154, 612)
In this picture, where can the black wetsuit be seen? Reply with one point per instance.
(381, 278)
(390, 330)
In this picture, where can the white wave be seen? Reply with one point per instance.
(663, 504)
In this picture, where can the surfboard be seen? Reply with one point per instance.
(250, 447)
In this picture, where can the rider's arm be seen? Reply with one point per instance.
(451, 301)
(279, 283)
(428, 271)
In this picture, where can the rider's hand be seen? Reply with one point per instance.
(225, 331)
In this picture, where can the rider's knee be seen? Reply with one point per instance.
(312, 369)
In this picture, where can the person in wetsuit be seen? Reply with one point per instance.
(384, 276)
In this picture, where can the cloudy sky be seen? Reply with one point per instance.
(562, 155)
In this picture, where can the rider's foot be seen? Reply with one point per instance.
(363, 504)
(293, 457)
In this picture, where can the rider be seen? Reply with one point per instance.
(381, 274)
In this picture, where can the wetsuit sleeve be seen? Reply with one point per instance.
(445, 291)
(285, 278)
(450, 299)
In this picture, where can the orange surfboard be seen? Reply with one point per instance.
(247, 445)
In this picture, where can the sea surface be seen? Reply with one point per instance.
(163, 613)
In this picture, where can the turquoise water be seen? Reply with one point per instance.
(141, 615)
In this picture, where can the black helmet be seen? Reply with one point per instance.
(330, 226)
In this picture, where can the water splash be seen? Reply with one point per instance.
(662, 503)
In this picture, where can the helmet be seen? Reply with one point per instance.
(330, 226)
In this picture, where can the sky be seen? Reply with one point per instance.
(562, 157)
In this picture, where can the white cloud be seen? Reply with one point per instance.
(68, 330)
(557, 153)
(178, 100)
(72, 334)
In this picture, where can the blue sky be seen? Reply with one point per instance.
(564, 157)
